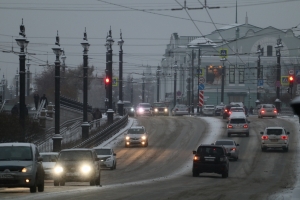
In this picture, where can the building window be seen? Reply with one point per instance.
(269, 50)
(231, 74)
(241, 74)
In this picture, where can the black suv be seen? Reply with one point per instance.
(226, 109)
(77, 165)
(211, 159)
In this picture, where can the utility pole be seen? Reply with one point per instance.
(120, 103)
(258, 72)
(175, 80)
(223, 79)
(192, 81)
(198, 76)
(278, 47)
(157, 82)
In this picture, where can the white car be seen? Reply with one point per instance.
(208, 110)
(49, 161)
(275, 137)
(231, 147)
(107, 157)
(136, 135)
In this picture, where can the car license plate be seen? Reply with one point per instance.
(6, 176)
(273, 140)
(210, 159)
(72, 174)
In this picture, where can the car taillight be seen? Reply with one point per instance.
(245, 126)
(226, 110)
(284, 137)
(229, 113)
(232, 149)
(196, 158)
(275, 111)
(264, 137)
(262, 111)
(229, 126)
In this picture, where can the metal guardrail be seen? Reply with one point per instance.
(71, 103)
(101, 136)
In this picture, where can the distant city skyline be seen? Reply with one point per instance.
(145, 33)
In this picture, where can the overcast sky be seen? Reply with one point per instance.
(146, 26)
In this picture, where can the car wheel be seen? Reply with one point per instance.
(146, 144)
(56, 183)
(236, 158)
(33, 188)
(225, 174)
(113, 167)
(41, 186)
(62, 183)
(93, 182)
(97, 182)
(195, 174)
(247, 134)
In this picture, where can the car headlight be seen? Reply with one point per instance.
(144, 137)
(141, 110)
(86, 169)
(58, 170)
(127, 138)
(166, 109)
(155, 110)
(27, 169)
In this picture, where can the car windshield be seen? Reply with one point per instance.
(268, 106)
(103, 151)
(159, 105)
(136, 131)
(224, 142)
(15, 153)
(210, 151)
(145, 105)
(74, 155)
(274, 131)
(49, 158)
(238, 121)
(127, 105)
(237, 109)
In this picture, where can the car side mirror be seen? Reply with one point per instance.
(288, 133)
(261, 133)
(194, 152)
(40, 159)
(114, 154)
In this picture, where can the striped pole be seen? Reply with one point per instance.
(201, 98)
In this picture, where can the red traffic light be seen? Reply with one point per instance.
(291, 79)
(107, 80)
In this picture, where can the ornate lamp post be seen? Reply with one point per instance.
(57, 137)
(258, 52)
(22, 42)
(175, 81)
(85, 125)
(120, 102)
(278, 47)
(28, 78)
(109, 43)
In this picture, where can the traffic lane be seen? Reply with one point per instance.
(171, 141)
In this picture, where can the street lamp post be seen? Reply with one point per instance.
(278, 47)
(57, 137)
(259, 50)
(22, 42)
(175, 80)
(85, 125)
(28, 78)
(143, 88)
(223, 79)
(17, 83)
(157, 82)
(192, 90)
(3, 82)
(120, 102)
(109, 43)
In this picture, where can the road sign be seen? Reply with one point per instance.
(200, 72)
(260, 82)
(223, 53)
(178, 93)
(201, 79)
(284, 80)
(201, 86)
(297, 73)
(115, 81)
(291, 72)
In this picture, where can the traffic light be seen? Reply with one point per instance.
(107, 82)
(291, 81)
(288, 90)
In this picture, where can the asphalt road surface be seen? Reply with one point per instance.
(163, 169)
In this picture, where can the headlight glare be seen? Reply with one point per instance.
(166, 109)
(155, 110)
(58, 169)
(127, 137)
(85, 169)
(27, 169)
(144, 137)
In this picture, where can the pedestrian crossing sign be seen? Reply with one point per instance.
(284, 80)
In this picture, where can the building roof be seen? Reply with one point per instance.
(203, 41)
